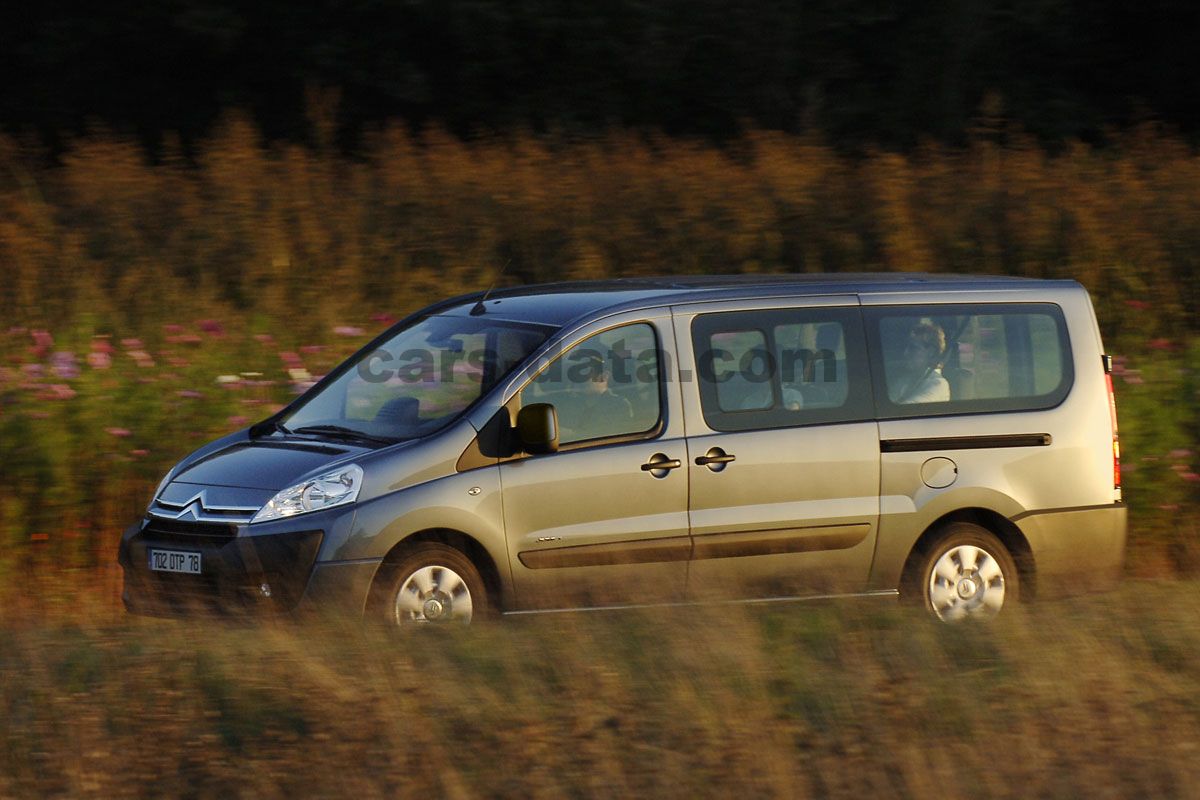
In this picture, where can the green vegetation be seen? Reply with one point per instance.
(153, 306)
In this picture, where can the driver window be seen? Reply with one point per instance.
(606, 386)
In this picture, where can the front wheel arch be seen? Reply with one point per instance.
(462, 542)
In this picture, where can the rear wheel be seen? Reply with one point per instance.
(434, 584)
(965, 573)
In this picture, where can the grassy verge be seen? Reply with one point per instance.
(1090, 697)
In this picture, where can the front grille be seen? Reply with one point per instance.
(175, 530)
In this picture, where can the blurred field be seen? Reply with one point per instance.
(150, 307)
(1098, 697)
(279, 232)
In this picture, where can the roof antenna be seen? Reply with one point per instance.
(478, 308)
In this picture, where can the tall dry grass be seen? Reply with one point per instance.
(109, 239)
(1088, 698)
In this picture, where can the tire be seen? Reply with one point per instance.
(433, 584)
(965, 572)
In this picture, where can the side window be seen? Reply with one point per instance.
(604, 387)
(741, 371)
(781, 368)
(957, 359)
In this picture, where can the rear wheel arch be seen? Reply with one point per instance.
(1000, 526)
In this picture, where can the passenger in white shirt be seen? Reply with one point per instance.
(921, 378)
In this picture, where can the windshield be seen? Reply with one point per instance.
(417, 381)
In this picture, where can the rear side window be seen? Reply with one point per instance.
(781, 368)
(959, 359)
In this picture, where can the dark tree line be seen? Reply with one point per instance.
(858, 71)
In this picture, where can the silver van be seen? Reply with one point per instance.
(950, 440)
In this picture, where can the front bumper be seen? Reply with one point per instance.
(239, 573)
(264, 569)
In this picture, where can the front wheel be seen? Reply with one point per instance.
(434, 584)
(965, 573)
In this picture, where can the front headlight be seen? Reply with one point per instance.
(317, 494)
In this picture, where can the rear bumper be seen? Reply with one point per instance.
(1076, 550)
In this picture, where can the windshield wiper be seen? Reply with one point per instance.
(266, 428)
(342, 432)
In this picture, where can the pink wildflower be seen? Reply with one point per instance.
(132, 344)
(59, 391)
(139, 452)
(264, 338)
(99, 360)
(64, 366)
(141, 358)
(189, 393)
(348, 330)
(238, 421)
(212, 327)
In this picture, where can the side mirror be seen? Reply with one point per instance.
(537, 429)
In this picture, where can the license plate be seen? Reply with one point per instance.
(175, 561)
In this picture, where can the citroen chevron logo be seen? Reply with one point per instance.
(197, 509)
(194, 507)
(191, 509)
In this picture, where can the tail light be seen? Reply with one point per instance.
(1116, 443)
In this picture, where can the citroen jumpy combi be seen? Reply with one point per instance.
(951, 440)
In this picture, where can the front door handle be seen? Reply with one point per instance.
(715, 459)
(659, 465)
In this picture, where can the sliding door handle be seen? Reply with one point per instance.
(715, 459)
(659, 465)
